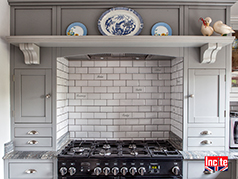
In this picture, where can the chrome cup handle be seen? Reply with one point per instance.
(30, 171)
(32, 142)
(33, 132)
(206, 133)
(206, 142)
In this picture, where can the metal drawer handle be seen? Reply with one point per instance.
(32, 142)
(29, 171)
(33, 132)
(206, 142)
(206, 133)
(208, 172)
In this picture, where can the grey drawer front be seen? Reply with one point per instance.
(33, 142)
(33, 132)
(201, 132)
(41, 170)
(198, 142)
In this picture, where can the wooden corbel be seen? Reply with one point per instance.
(31, 53)
(208, 52)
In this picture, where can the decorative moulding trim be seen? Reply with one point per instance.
(126, 2)
(209, 46)
(31, 53)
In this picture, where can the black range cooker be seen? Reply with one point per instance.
(119, 160)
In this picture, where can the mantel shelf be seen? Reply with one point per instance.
(30, 45)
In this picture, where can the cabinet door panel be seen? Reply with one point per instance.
(31, 87)
(206, 95)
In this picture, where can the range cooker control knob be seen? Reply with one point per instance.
(124, 170)
(63, 171)
(97, 170)
(115, 171)
(106, 170)
(141, 171)
(175, 170)
(72, 171)
(133, 171)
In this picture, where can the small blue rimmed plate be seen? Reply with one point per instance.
(76, 29)
(161, 29)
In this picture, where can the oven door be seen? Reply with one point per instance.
(234, 132)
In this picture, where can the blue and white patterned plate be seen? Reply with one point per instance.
(120, 21)
(76, 29)
(161, 29)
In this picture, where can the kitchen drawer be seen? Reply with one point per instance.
(201, 142)
(33, 132)
(195, 171)
(33, 142)
(23, 170)
(206, 132)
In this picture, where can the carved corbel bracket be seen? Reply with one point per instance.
(31, 53)
(208, 52)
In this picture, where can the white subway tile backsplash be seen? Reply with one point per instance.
(80, 70)
(126, 63)
(113, 63)
(129, 99)
(87, 63)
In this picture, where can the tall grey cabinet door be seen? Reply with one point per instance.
(32, 96)
(206, 96)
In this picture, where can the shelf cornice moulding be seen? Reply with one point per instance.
(209, 46)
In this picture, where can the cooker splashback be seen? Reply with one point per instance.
(119, 96)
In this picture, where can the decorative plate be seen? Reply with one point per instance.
(76, 29)
(161, 29)
(120, 21)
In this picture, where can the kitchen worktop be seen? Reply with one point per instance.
(187, 155)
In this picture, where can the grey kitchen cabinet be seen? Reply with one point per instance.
(29, 169)
(206, 96)
(206, 109)
(32, 96)
(194, 169)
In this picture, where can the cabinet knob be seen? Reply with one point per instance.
(32, 142)
(206, 142)
(191, 96)
(48, 96)
(33, 132)
(206, 133)
(30, 171)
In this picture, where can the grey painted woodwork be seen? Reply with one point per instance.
(206, 96)
(194, 169)
(31, 103)
(42, 170)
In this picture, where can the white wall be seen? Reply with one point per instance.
(4, 80)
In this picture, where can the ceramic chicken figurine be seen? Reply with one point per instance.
(206, 29)
(222, 29)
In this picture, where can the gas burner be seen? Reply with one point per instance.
(104, 152)
(106, 146)
(132, 146)
(134, 153)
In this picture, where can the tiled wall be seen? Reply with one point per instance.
(119, 99)
(177, 96)
(62, 101)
